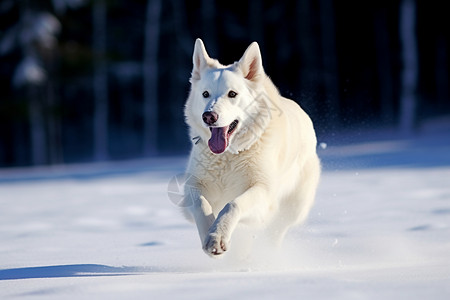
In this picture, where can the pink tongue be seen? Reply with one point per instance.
(219, 140)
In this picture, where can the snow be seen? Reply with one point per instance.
(380, 229)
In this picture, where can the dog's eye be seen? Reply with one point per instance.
(205, 94)
(232, 94)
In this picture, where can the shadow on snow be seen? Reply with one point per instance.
(79, 270)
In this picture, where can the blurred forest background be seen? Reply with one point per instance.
(97, 80)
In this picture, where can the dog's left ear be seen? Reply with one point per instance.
(200, 59)
(251, 63)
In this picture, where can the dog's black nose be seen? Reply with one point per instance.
(210, 117)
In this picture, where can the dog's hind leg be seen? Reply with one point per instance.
(296, 206)
(277, 231)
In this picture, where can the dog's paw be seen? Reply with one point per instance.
(215, 244)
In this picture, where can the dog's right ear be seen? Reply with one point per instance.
(200, 59)
(251, 63)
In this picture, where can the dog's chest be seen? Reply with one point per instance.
(222, 177)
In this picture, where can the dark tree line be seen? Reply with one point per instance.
(107, 79)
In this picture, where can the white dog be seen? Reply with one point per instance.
(253, 159)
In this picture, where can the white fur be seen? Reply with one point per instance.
(269, 172)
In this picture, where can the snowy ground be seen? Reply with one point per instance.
(380, 229)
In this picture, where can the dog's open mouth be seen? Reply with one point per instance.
(220, 137)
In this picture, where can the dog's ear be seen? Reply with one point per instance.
(200, 59)
(251, 63)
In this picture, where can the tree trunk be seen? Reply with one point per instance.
(209, 26)
(442, 74)
(37, 127)
(329, 53)
(181, 65)
(384, 68)
(100, 81)
(255, 21)
(309, 52)
(36, 107)
(409, 73)
(55, 147)
(150, 74)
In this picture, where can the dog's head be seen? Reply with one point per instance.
(222, 108)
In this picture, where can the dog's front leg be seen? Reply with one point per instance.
(219, 235)
(202, 212)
